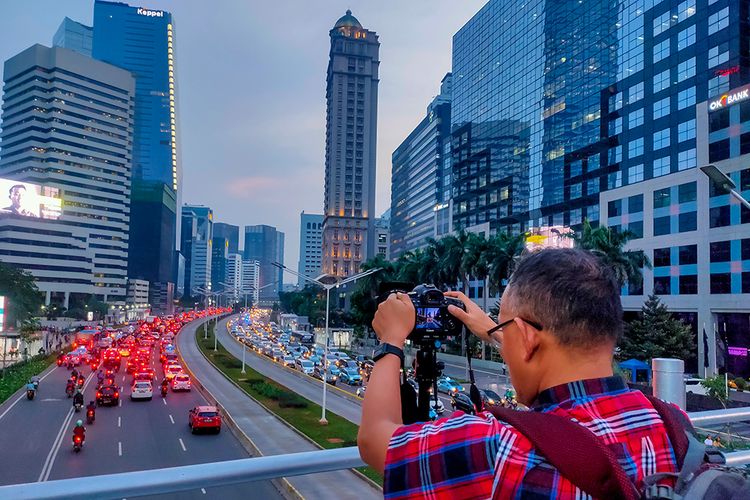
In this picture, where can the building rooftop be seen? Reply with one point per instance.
(348, 20)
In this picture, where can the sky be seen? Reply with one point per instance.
(251, 92)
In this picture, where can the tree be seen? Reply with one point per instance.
(716, 387)
(503, 252)
(364, 298)
(656, 334)
(23, 297)
(609, 245)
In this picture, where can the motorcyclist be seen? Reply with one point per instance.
(78, 398)
(91, 410)
(100, 376)
(74, 374)
(30, 386)
(80, 431)
(69, 387)
(164, 386)
(35, 380)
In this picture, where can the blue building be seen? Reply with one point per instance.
(310, 246)
(74, 36)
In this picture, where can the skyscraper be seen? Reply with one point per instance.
(74, 36)
(141, 41)
(266, 245)
(68, 126)
(197, 235)
(234, 275)
(310, 245)
(351, 124)
(250, 282)
(229, 232)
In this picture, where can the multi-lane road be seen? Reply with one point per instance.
(136, 435)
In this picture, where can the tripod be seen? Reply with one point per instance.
(428, 369)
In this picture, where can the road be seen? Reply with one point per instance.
(134, 436)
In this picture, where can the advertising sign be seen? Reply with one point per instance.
(738, 351)
(732, 97)
(2, 314)
(29, 200)
(549, 237)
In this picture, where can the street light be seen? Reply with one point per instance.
(724, 183)
(328, 286)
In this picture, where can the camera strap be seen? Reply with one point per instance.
(474, 395)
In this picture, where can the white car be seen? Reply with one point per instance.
(181, 382)
(693, 386)
(305, 366)
(142, 389)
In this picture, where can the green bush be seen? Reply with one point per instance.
(19, 374)
(291, 401)
(741, 383)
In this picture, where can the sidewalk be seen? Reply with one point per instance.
(269, 435)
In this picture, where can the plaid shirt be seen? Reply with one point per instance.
(467, 456)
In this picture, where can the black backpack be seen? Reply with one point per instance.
(593, 468)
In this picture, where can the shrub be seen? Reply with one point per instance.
(741, 383)
(288, 400)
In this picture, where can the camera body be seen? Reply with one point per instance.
(433, 321)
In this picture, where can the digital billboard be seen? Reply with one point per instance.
(549, 237)
(29, 200)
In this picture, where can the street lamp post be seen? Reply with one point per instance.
(328, 287)
(724, 182)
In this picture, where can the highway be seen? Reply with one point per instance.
(136, 435)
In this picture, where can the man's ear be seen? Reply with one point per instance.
(530, 339)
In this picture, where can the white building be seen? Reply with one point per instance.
(310, 246)
(234, 276)
(250, 280)
(67, 124)
(137, 292)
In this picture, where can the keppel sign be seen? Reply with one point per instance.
(149, 13)
(733, 97)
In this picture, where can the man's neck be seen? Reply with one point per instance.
(566, 366)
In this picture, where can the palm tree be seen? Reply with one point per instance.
(609, 246)
(503, 251)
(450, 251)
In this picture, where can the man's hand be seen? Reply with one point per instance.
(474, 317)
(394, 319)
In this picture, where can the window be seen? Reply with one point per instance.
(718, 120)
(635, 118)
(661, 50)
(592, 186)
(689, 285)
(661, 139)
(718, 150)
(686, 159)
(662, 23)
(688, 222)
(662, 198)
(662, 285)
(686, 98)
(721, 283)
(745, 111)
(686, 38)
(575, 191)
(661, 81)
(716, 22)
(576, 168)
(636, 228)
(745, 249)
(720, 251)
(635, 289)
(635, 173)
(686, 131)
(615, 101)
(685, 10)
(635, 93)
(615, 126)
(718, 85)
(745, 143)
(718, 55)
(661, 108)
(614, 180)
(745, 282)
(688, 254)
(662, 225)
(661, 166)
(614, 208)
(686, 69)
(635, 148)
(615, 155)
(662, 257)
(635, 204)
(718, 216)
(687, 192)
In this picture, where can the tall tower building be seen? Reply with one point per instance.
(74, 36)
(351, 125)
(266, 245)
(197, 234)
(68, 127)
(141, 41)
(231, 233)
(310, 245)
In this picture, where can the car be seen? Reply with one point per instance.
(288, 361)
(171, 371)
(693, 386)
(365, 368)
(330, 377)
(141, 376)
(181, 382)
(462, 402)
(490, 398)
(348, 363)
(351, 376)
(278, 355)
(169, 356)
(267, 350)
(142, 389)
(315, 359)
(332, 368)
(448, 385)
(108, 395)
(305, 366)
(124, 351)
(204, 417)
(361, 358)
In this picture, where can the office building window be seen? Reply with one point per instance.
(635, 289)
(661, 81)
(688, 222)
(614, 208)
(685, 38)
(635, 173)
(745, 249)
(720, 251)
(635, 147)
(685, 10)
(635, 204)
(635, 93)
(689, 285)
(662, 285)
(718, 55)
(745, 143)
(686, 98)
(662, 257)
(718, 216)
(575, 191)
(662, 225)
(576, 168)
(662, 198)
(661, 108)
(615, 126)
(721, 283)
(686, 69)
(688, 254)
(686, 130)
(635, 118)
(745, 282)
(661, 139)
(662, 23)
(661, 166)
(661, 50)
(718, 85)
(686, 159)
(718, 150)
(718, 120)
(614, 180)
(718, 21)
(687, 192)
(636, 228)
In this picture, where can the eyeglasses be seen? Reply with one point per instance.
(500, 326)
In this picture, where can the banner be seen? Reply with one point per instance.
(29, 200)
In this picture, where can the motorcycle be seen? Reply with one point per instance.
(29, 394)
(70, 390)
(164, 391)
(90, 416)
(77, 407)
(77, 443)
(81, 380)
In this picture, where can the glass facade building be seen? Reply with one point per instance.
(265, 245)
(310, 246)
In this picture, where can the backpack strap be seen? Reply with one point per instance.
(579, 455)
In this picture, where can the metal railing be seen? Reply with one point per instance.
(189, 477)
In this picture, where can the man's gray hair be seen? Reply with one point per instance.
(571, 293)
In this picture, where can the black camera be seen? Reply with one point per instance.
(433, 321)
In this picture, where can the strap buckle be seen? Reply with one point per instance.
(659, 492)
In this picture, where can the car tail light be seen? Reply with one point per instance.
(98, 394)
(117, 394)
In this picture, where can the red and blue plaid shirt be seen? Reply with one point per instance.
(468, 456)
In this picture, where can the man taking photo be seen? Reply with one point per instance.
(560, 320)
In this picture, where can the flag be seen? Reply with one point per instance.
(705, 348)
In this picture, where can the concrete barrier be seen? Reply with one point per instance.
(481, 364)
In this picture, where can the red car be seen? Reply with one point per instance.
(204, 417)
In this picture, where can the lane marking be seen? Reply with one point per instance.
(120, 403)
(183, 445)
(171, 419)
(119, 421)
(164, 400)
(119, 448)
(203, 490)
(23, 394)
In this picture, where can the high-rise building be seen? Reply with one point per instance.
(68, 127)
(219, 256)
(383, 235)
(74, 36)
(266, 245)
(420, 179)
(310, 246)
(229, 232)
(234, 275)
(141, 41)
(251, 281)
(197, 233)
(351, 124)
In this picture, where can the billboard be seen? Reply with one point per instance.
(29, 200)
(549, 237)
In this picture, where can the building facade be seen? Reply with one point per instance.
(420, 177)
(266, 245)
(310, 246)
(219, 259)
(230, 233)
(137, 292)
(74, 36)
(351, 140)
(67, 125)
(197, 236)
(234, 276)
(251, 283)
(383, 235)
